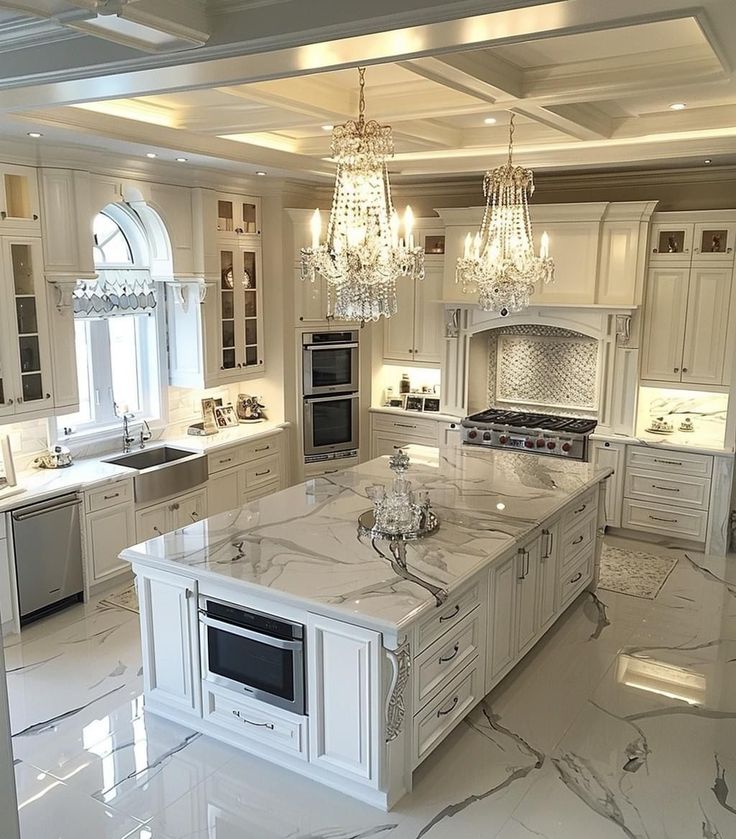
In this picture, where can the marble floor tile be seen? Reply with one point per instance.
(620, 723)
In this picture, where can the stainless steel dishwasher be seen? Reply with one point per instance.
(47, 541)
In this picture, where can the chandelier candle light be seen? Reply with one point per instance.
(499, 262)
(363, 254)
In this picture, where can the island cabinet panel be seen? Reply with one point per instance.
(170, 642)
(546, 586)
(344, 691)
(502, 617)
(527, 587)
(223, 491)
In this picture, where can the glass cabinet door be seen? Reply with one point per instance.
(228, 349)
(251, 308)
(19, 206)
(225, 216)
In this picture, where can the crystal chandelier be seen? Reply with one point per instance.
(499, 262)
(363, 255)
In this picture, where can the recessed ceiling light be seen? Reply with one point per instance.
(327, 127)
(151, 154)
(182, 159)
(707, 161)
(490, 120)
(35, 134)
(260, 173)
(678, 106)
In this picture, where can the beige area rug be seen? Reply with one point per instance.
(634, 573)
(125, 599)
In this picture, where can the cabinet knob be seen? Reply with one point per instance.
(239, 364)
(676, 369)
(10, 401)
(684, 369)
(35, 217)
(195, 516)
(606, 445)
(156, 530)
(19, 399)
(300, 317)
(3, 215)
(48, 396)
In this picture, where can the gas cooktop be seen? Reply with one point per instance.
(538, 433)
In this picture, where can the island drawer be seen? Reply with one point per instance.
(445, 617)
(674, 521)
(575, 579)
(444, 659)
(255, 722)
(414, 427)
(110, 496)
(261, 448)
(576, 540)
(225, 459)
(668, 488)
(437, 719)
(262, 471)
(661, 460)
(583, 507)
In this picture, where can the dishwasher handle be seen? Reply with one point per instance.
(42, 509)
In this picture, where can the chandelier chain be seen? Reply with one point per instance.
(361, 100)
(511, 137)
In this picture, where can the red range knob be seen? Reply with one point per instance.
(529, 443)
(551, 444)
(540, 443)
(503, 439)
(566, 447)
(472, 434)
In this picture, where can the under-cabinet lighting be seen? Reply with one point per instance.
(490, 120)
(35, 134)
(678, 106)
(260, 173)
(151, 154)
(707, 161)
(182, 159)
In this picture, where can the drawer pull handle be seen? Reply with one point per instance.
(580, 509)
(262, 449)
(669, 521)
(451, 615)
(225, 460)
(195, 516)
(110, 497)
(576, 577)
(455, 651)
(668, 462)
(268, 725)
(666, 489)
(447, 710)
(404, 425)
(577, 541)
(156, 530)
(261, 474)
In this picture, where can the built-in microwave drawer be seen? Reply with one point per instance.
(445, 617)
(437, 719)
(668, 488)
(109, 496)
(449, 654)
(672, 521)
(255, 721)
(664, 460)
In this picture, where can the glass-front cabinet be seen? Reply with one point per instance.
(19, 201)
(25, 360)
(238, 215)
(240, 319)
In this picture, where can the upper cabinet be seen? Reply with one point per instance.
(19, 202)
(237, 215)
(239, 312)
(599, 251)
(25, 357)
(689, 295)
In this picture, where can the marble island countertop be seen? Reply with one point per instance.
(38, 484)
(676, 441)
(301, 545)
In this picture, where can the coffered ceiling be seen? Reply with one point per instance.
(592, 82)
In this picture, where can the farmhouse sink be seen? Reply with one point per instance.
(163, 471)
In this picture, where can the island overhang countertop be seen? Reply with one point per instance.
(301, 545)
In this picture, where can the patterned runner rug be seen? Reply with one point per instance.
(634, 573)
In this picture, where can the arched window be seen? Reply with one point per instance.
(111, 244)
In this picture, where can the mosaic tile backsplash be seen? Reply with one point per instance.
(543, 367)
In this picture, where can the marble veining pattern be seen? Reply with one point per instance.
(303, 542)
(619, 725)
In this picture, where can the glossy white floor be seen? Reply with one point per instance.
(621, 723)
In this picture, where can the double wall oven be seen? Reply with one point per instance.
(331, 406)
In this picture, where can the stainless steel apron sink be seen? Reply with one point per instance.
(163, 471)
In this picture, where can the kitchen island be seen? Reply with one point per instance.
(280, 630)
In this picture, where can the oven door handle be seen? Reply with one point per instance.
(280, 643)
(310, 399)
(319, 347)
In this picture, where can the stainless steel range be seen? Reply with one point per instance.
(538, 433)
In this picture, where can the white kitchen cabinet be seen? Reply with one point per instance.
(189, 508)
(671, 242)
(665, 313)
(224, 491)
(345, 695)
(170, 515)
(108, 533)
(25, 358)
(713, 243)
(6, 598)
(547, 575)
(170, 641)
(611, 455)
(19, 201)
(237, 216)
(704, 348)
(686, 324)
(310, 299)
(527, 595)
(392, 432)
(574, 249)
(240, 312)
(502, 618)
(416, 331)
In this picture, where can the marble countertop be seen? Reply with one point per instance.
(417, 414)
(38, 484)
(677, 441)
(301, 545)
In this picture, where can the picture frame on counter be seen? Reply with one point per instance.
(426, 403)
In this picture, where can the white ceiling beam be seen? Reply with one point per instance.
(504, 79)
(438, 71)
(306, 95)
(582, 121)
